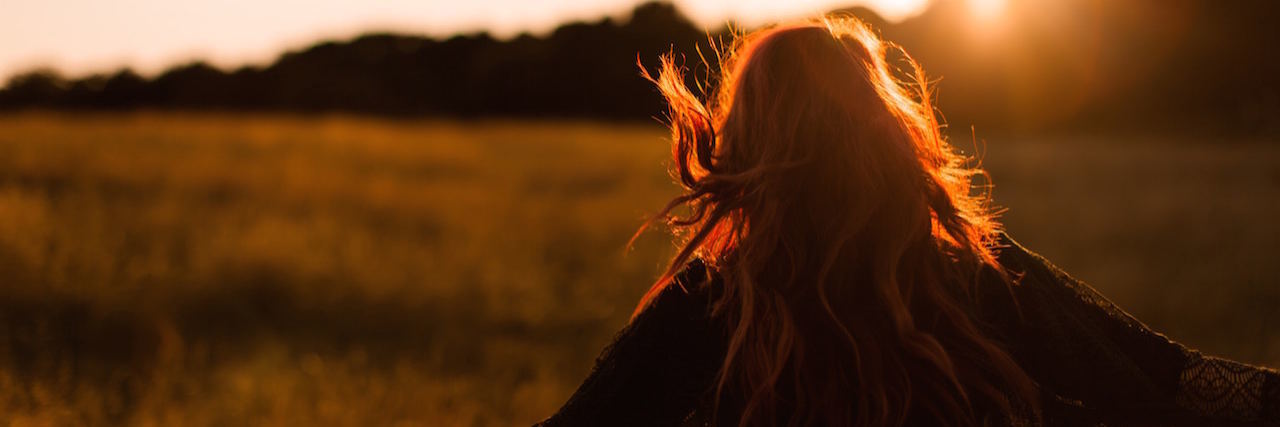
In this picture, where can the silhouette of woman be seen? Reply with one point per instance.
(838, 269)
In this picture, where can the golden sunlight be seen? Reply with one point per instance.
(897, 9)
(987, 11)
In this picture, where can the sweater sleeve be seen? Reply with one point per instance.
(1081, 347)
(657, 368)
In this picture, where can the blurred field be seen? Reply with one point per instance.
(165, 269)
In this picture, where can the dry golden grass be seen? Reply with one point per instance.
(170, 269)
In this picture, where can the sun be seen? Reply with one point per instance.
(897, 9)
(987, 11)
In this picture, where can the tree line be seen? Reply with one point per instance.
(1138, 64)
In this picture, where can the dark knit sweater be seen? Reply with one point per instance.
(1094, 364)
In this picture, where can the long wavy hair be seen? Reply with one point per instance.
(848, 233)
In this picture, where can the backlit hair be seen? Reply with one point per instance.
(848, 233)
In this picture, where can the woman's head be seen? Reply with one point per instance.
(846, 230)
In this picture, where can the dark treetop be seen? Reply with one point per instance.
(1094, 364)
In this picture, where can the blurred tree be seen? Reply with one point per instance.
(38, 88)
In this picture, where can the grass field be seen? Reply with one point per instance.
(170, 269)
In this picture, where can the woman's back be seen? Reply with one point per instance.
(1094, 364)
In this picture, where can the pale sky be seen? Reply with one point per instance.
(78, 37)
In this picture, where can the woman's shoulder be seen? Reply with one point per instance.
(1026, 290)
(1016, 258)
(695, 271)
(689, 293)
(1031, 272)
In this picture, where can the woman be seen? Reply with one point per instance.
(838, 269)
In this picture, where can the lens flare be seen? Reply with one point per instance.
(898, 9)
(986, 11)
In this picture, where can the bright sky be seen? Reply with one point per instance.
(84, 36)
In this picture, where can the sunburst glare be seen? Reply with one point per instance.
(987, 11)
